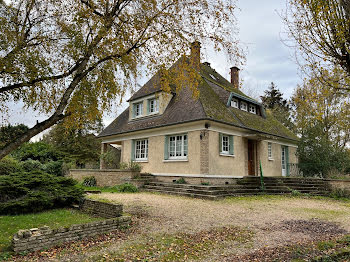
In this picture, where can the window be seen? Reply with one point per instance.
(177, 147)
(226, 144)
(138, 109)
(244, 106)
(141, 149)
(269, 150)
(252, 109)
(153, 106)
(234, 103)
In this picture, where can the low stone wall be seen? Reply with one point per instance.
(38, 238)
(104, 177)
(101, 209)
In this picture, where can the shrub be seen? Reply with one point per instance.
(340, 193)
(181, 181)
(89, 181)
(40, 151)
(26, 192)
(126, 188)
(205, 183)
(296, 193)
(9, 165)
(53, 168)
(31, 165)
(133, 166)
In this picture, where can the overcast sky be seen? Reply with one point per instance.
(268, 59)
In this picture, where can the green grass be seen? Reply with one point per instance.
(320, 212)
(56, 218)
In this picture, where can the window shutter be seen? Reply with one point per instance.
(287, 160)
(148, 107)
(231, 145)
(220, 143)
(132, 150)
(166, 152)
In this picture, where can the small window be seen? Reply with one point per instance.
(141, 149)
(252, 109)
(234, 103)
(244, 106)
(138, 109)
(153, 106)
(178, 147)
(226, 144)
(269, 150)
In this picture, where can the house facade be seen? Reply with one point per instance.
(221, 133)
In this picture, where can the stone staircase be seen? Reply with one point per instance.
(243, 186)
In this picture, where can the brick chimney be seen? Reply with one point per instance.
(235, 76)
(195, 54)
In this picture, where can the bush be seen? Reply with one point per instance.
(340, 193)
(40, 151)
(180, 181)
(133, 166)
(126, 188)
(27, 192)
(53, 168)
(89, 181)
(9, 165)
(31, 165)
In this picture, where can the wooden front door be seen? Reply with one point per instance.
(251, 158)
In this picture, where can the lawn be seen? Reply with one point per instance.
(9, 225)
(251, 228)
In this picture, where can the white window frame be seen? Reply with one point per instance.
(183, 146)
(138, 151)
(252, 109)
(225, 143)
(155, 106)
(269, 151)
(244, 106)
(136, 105)
(234, 103)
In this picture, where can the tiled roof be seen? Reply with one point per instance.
(211, 104)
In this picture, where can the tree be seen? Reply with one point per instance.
(8, 133)
(273, 100)
(322, 118)
(317, 104)
(70, 59)
(80, 145)
(320, 29)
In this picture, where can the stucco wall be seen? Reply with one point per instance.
(156, 162)
(273, 166)
(227, 165)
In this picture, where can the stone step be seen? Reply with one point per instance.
(201, 191)
(209, 197)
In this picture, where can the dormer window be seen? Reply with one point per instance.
(252, 109)
(244, 106)
(234, 103)
(138, 109)
(153, 106)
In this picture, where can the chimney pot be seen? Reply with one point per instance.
(195, 54)
(235, 76)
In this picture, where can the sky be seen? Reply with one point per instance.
(268, 59)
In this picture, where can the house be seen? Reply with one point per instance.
(222, 133)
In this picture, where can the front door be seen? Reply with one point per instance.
(284, 161)
(251, 158)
